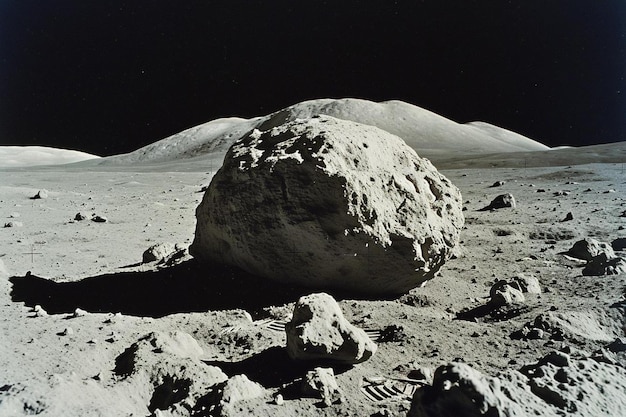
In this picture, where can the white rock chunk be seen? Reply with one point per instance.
(321, 383)
(328, 203)
(319, 331)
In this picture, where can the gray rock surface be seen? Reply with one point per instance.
(240, 388)
(588, 248)
(605, 264)
(159, 252)
(501, 293)
(40, 195)
(321, 383)
(344, 205)
(556, 385)
(526, 284)
(502, 201)
(319, 331)
(169, 368)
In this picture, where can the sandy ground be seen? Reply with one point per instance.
(46, 369)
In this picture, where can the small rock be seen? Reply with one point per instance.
(501, 293)
(158, 252)
(321, 383)
(14, 215)
(568, 217)
(605, 264)
(239, 388)
(318, 330)
(79, 313)
(68, 331)
(39, 311)
(589, 248)
(278, 399)
(99, 219)
(498, 184)
(79, 217)
(535, 333)
(526, 283)
(40, 194)
(501, 201)
(13, 224)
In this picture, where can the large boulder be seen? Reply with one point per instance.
(328, 203)
(319, 331)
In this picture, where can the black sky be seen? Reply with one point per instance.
(110, 76)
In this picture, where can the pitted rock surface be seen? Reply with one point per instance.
(328, 203)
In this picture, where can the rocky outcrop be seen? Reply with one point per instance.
(319, 331)
(328, 203)
(556, 385)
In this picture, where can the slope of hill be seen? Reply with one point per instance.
(428, 133)
(24, 156)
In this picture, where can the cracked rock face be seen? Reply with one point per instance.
(328, 203)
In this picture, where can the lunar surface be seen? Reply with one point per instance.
(103, 312)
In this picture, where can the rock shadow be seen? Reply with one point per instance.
(190, 286)
(183, 288)
(273, 368)
(490, 312)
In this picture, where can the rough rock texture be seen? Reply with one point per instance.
(161, 252)
(589, 248)
(239, 388)
(321, 383)
(501, 201)
(555, 385)
(526, 283)
(167, 365)
(501, 293)
(604, 264)
(344, 205)
(319, 331)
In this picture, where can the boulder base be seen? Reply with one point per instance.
(328, 203)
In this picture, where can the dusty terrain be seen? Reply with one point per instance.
(66, 363)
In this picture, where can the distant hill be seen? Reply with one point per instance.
(428, 133)
(25, 156)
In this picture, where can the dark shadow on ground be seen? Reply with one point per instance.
(273, 368)
(183, 288)
(492, 313)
